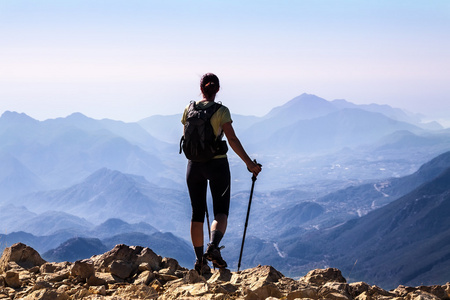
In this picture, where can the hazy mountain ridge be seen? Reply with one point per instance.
(62, 244)
(60, 152)
(111, 194)
(84, 247)
(412, 228)
(308, 107)
(344, 128)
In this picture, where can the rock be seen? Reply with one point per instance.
(334, 288)
(260, 281)
(21, 254)
(121, 269)
(322, 276)
(262, 273)
(134, 255)
(169, 266)
(97, 290)
(106, 277)
(51, 267)
(83, 269)
(402, 290)
(421, 295)
(145, 278)
(220, 275)
(96, 281)
(144, 267)
(337, 296)
(55, 277)
(47, 294)
(12, 279)
(436, 290)
(357, 288)
(41, 285)
(166, 277)
(377, 291)
(193, 277)
(47, 268)
(136, 292)
(303, 293)
(144, 275)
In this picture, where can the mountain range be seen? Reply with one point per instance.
(295, 139)
(404, 242)
(75, 186)
(109, 194)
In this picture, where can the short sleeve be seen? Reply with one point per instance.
(220, 117)
(184, 117)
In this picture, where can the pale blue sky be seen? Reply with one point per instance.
(129, 59)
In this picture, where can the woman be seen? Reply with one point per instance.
(217, 172)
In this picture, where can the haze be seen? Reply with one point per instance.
(127, 60)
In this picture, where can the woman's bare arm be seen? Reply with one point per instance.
(237, 147)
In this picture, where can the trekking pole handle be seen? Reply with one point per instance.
(260, 165)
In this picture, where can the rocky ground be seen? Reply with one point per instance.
(133, 272)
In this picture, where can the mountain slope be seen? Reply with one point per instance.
(51, 222)
(345, 128)
(62, 151)
(16, 179)
(114, 226)
(75, 249)
(414, 228)
(390, 112)
(303, 107)
(132, 132)
(111, 194)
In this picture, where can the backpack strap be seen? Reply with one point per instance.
(181, 144)
(191, 105)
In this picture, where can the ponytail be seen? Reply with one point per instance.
(209, 84)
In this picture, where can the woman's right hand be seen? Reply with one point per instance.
(254, 167)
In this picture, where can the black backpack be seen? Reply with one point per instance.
(199, 142)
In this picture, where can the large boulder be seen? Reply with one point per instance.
(84, 269)
(259, 281)
(319, 277)
(22, 255)
(131, 256)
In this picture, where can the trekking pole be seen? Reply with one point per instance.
(207, 220)
(246, 220)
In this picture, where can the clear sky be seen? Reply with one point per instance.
(130, 59)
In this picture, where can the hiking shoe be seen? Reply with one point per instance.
(202, 267)
(213, 254)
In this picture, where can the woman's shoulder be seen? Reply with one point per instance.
(224, 114)
(223, 106)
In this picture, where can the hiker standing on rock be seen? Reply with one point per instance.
(205, 122)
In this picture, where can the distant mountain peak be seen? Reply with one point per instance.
(108, 176)
(77, 116)
(12, 116)
(114, 222)
(305, 106)
(307, 98)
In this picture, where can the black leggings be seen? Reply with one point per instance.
(217, 171)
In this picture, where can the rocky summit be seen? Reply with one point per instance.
(134, 272)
